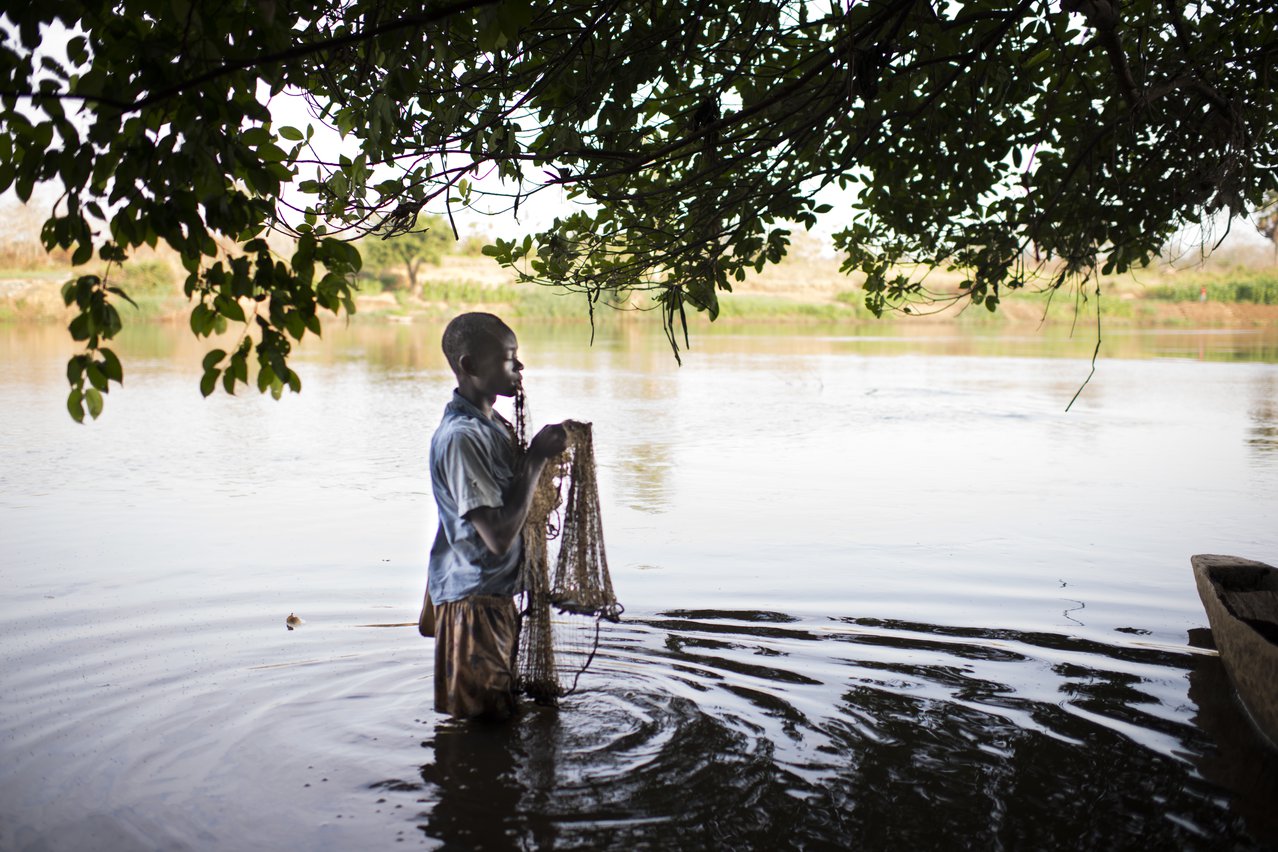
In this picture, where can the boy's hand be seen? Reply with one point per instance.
(549, 442)
(499, 526)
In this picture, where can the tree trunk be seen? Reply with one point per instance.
(414, 288)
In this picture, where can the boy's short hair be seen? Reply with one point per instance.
(469, 333)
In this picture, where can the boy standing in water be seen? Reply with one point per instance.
(483, 491)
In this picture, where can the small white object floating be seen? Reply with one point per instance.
(292, 621)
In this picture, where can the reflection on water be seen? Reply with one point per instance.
(913, 734)
(1263, 436)
(633, 347)
(1236, 760)
(646, 472)
(881, 592)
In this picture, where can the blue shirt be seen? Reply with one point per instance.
(472, 464)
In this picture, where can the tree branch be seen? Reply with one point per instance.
(1102, 16)
(295, 52)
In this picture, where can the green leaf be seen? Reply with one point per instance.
(81, 327)
(76, 51)
(209, 381)
(265, 378)
(75, 369)
(213, 358)
(22, 188)
(123, 295)
(75, 405)
(111, 366)
(295, 326)
(271, 153)
(339, 185)
(255, 136)
(1039, 58)
(228, 308)
(292, 134)
(94, 401)
(201, 320)
(96, 377)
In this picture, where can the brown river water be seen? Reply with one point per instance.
(882, 592)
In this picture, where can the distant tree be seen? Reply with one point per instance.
(427, 244)
(687, 134)
(473, 245)
(1267, 219)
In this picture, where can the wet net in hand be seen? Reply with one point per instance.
(556, 647)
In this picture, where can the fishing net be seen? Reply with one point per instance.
(564, 603)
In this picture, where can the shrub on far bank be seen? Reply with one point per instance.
(147, 278)
(370, 283)
(1259, 288)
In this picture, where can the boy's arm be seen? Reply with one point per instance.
(499, 526)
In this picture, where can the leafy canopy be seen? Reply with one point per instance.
(972, 134)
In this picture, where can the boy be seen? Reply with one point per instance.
(483, 492)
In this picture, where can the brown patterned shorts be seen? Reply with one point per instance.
(476, 640)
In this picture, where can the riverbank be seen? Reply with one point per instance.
(800, 291)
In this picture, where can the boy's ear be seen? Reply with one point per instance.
(465, 364)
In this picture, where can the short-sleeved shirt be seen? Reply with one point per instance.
(472, 465)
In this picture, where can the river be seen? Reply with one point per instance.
(882, 591)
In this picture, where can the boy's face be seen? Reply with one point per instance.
(495, 368)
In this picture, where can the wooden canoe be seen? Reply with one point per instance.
(1241, 599)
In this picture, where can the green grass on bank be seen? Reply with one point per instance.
(1247, 286)
(848, 306)
(817, 295)
(442, 299)
(10, 273)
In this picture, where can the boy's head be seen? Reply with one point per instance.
(482, 350)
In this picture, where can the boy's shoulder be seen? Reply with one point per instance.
(455, 426)
(464, 428)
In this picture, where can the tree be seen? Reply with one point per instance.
(410, 249)
(1267, 219)
(971, 135)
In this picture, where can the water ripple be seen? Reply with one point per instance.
(699, 728)
(725, 729)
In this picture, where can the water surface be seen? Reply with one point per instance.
(881, 591)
